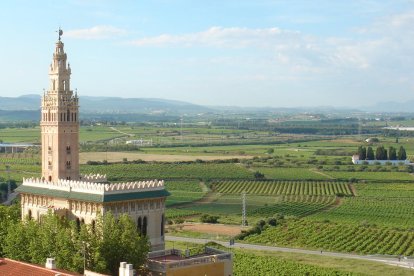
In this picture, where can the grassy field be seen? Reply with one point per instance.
(20, 135)
(183, 192)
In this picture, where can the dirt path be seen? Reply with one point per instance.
(353, 190)
(117, 130)
(219, 229)
(204, 187)
(321, 173)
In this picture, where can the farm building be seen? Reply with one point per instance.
(357, 161)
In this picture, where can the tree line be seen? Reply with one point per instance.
(99, 247)
(381, 153)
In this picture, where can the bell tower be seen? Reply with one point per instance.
(60, 121)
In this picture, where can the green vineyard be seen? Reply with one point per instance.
(283, 187)
(171, 213)
(338, 237)
(392, 211)
(252, 264)
(296, 206)
(183, 191)
(133, 172)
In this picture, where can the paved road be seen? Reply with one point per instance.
(382, 259)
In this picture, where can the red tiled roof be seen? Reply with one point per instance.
(10, 267)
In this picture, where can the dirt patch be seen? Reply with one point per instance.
(219, 229)
(353, 190)
(119, 156)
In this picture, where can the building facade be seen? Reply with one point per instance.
(67, 193)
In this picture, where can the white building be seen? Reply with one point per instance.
(356, 161)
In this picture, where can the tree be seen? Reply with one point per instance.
(381, 153)
(370, 153)
(362, 153)
(402, 155)
(121, 243)
(101, 247)
(9, 216)
(258, 175)
(392, 153)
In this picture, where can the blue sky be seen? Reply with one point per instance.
(246, 53)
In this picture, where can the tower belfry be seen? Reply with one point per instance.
(60, 121)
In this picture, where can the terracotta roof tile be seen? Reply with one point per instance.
(10, 267)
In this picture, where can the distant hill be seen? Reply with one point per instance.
(391, 107)
(109, 105)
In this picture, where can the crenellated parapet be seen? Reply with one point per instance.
(93, 177)
(94, 187)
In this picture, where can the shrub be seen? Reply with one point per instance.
(209, 219)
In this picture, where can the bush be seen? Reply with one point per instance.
(209, 219)
(272, 221)
(258, 175)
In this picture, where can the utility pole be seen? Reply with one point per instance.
(244, 208)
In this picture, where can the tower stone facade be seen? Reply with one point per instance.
(60, 122)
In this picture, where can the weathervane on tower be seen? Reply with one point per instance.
(60, 32)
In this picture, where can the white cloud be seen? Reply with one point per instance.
(235, 37)
(96, 32)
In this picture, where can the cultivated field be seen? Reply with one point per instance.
(120, 156)
(306, 183)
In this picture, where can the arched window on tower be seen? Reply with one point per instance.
(68, 115)
(29, 214)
